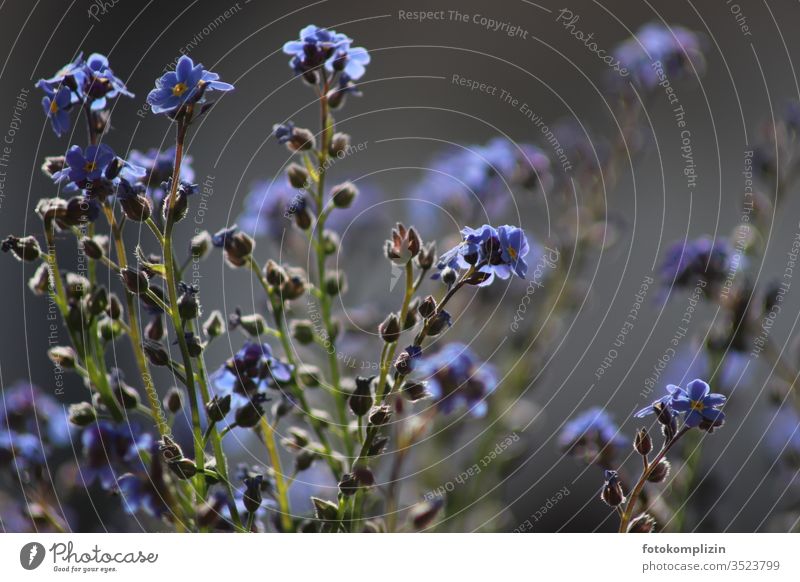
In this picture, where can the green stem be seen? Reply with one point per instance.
(627, 514)
(279, 316)
(269, 437)
(214, 436)
(172, 292)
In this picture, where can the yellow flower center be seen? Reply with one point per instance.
(512, 253)
(698, 405)
(89, 166)
(179, 89)
(53, 106)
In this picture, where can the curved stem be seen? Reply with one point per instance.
(627, 514)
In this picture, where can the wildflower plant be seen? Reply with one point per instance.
(353, 429)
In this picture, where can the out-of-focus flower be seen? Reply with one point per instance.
(187, 84)
(318, 46)
(686, 263)
(110, 451)
(158, 166)
(26, 409)
(592, 435)
(268, 208)
(679, 50)
(455, 376)
(249, 370)
(480, 180)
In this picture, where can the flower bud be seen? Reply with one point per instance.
(114, 310)
(449, 276)
(91, 248)
(404, 245)
(250, 414)
(183, 468)
(217, 408)
(298, 176)
(97, 302)
(24, 249)
(426, 257)
(63, 356)
(330, 242)
(344, 194)
(439, 322)
(214, 326)
(309, 375)
(155, 352)
(377, 446)
(137, 208)
(643, 523)
(380, 415)
(252, 497)
(294, 286)
(412, 314)
(414, 391)
(659, 472)
(423, 514)
(200, 245)
(642, 442)
(39, 283)
(360, 400)
(254, 324)
(275, 274)
(82, 414)
(173, 400)
(302, 140)
(303, 460)
(135, 281)
(390, 328)
(302, 330)
(154, 330)
(339, 144)
(335, 283)
(348, 485)
(188, 307)
(194, 344)
(126, 395)
(427, 307)
(612, 490)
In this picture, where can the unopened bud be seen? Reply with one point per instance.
(173, 401)
(82, 414)
(214, 326)
(390, 328)
(298, 176)
(642, 442)
(63, 356)
(344, 194)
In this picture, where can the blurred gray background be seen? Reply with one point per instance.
(408, 93)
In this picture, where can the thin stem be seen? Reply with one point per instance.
(627, 514)
(279, 316)
(133, 327)
(213, 435)
(172, 292)
(269, 437)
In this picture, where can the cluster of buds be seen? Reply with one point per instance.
(238, 246)
(291, 283)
